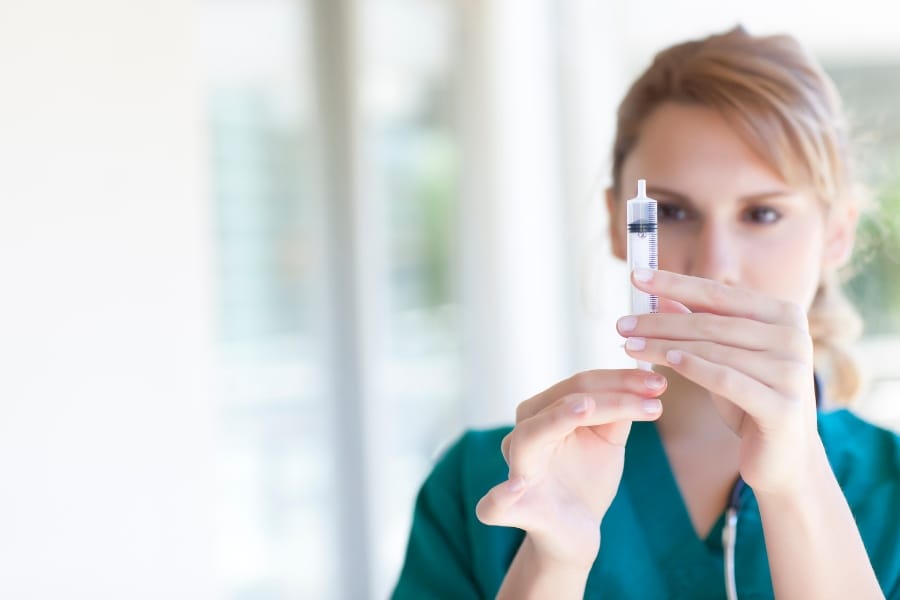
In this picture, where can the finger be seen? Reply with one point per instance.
(705, 295)
(765, 367)
(671, 306)
(633, 381)
(540, 432)
(756, 399)
(784, 341)
(493, 508)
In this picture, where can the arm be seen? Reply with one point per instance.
(532, 576)
(814, 547)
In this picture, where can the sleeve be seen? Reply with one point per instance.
(438, 560)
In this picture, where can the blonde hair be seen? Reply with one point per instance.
(787, 110)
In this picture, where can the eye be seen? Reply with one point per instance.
(670, 212)
(763, 215)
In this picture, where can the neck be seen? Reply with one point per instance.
(703, 452)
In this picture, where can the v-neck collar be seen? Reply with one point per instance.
(654, 492)
(649, 475)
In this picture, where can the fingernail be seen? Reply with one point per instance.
(673, 356)
(655, 382)
(580, 406)
(635, 343)
(627, 323)
(643, 274)
(515, 485)
(651, 406)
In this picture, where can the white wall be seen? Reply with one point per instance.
(106, 443)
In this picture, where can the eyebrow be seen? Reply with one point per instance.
(661, 191)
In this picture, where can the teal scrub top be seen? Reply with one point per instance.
(649, 548)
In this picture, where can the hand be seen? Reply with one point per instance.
(755, 356)
(565, 457)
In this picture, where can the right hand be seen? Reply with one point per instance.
(565, 456)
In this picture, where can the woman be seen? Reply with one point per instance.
(615, 483)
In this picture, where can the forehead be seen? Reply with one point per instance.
(694, 149)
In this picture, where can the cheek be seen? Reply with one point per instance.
(788, 267)
(618, 237)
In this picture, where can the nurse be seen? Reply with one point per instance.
(714, 476)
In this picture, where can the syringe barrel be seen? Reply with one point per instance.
(642, 249)
(642, 252)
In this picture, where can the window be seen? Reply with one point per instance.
(276, 515)
(408, 196)
(283, 456)
(869, 89)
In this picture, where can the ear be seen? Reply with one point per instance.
(840, 236)
(617, 241)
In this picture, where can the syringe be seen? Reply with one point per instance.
(642, 250)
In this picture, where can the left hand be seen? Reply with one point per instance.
(755, 356)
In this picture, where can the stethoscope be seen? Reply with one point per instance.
(729, 537)
(729, 532)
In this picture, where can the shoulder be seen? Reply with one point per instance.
(445, 556)
(864, 456)
(849, 438)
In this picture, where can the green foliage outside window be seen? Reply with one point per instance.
(869, 92)
(875, 284)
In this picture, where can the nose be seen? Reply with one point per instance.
(716, 254)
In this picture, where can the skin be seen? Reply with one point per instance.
(742, 253)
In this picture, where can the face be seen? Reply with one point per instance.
(724, 214)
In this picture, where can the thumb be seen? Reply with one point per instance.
(494, 508)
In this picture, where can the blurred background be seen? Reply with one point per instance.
(261, 260)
